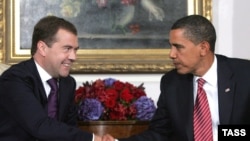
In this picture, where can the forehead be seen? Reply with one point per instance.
(62, 31)
(178, 37)
(177, 34)
(66, 38)
(63, 35)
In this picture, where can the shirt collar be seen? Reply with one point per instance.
(211, 75)
(43, 74)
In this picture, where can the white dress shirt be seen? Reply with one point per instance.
(44, 77)
(211, 88)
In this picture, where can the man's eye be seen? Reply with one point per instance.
(67, 48)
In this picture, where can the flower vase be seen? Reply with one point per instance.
(118, 129)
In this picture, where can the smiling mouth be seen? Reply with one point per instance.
(67, 64)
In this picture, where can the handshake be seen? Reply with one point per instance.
(106, 137)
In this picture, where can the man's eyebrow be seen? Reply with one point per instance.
(69, 46)
(77, 48)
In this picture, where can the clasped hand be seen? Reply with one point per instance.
(106, 137)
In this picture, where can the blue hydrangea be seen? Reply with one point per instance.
(145, 108)
(109, 82)
(90, 109)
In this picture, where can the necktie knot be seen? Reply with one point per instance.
(53, 83)
(201, 82)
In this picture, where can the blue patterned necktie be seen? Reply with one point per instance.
(52, 99)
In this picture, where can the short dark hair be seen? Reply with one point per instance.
(46, 29)
(197, 29)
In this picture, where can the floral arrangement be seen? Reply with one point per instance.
(111, 99)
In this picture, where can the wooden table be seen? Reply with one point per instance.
(118, 129)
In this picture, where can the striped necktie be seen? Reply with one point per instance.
(202, 117)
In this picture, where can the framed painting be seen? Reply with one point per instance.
(115, 36)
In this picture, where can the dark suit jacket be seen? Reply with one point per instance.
(173, 119)
(23, 107)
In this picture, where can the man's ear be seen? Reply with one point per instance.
(41, 48)
(205, 47)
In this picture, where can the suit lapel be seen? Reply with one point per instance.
(38, 81)
(226, 87)
(63, 97)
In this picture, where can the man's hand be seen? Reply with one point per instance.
(108, 137)
(97, 138)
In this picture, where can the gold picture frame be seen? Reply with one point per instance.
(148, 60)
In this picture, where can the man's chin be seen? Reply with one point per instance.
(64, 73)
(182, 71)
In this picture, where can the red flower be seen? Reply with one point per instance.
(110, 99)
(118, 85)
(126, 95)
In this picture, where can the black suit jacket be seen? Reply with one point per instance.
(23, 107)
(173, 119)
